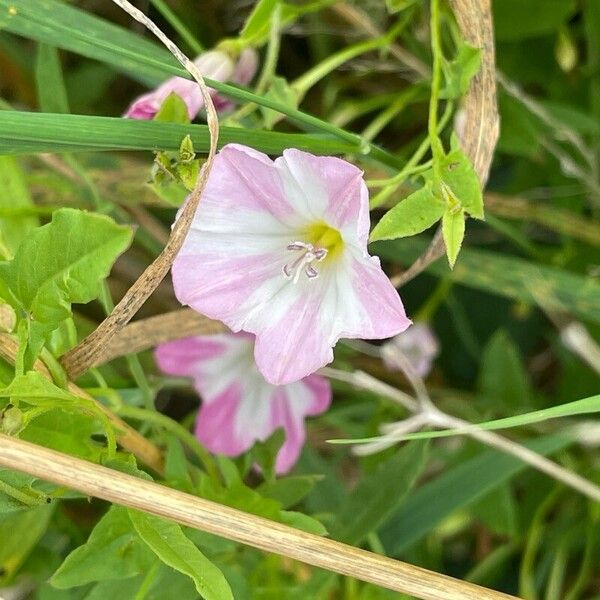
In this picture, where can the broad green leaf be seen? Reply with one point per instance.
(112, 551)
(173, 110)
(453, 230)
(288, 490)
(280, 91)
(259, 19)
(413, 215)
(14, 196)
(427, 506)
(69, 432)
(61, 263)
(301, 521)
(36, 389)
(509, 276)
(168, 542)
(459, 176)
(52, 94)
(377, 495)
(515, 20)
(498, 510)
(503, 381)
(19, 533)
(459, 72)
(25, 496)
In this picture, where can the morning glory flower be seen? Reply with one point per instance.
(238, 406)
(419, 345)
(214, 64)
(279, 249)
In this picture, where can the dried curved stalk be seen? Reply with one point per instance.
(480, 134)
(89, 350)
(148, 333)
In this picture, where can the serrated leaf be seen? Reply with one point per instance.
(459, 175)
(52, 94)
(414, 214)
(168, 542)
(61, 263)
(14, 197)
(112, 551)
(173, 110)
(280, 91)
(453, 230)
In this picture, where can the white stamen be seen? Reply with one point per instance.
(304, 263)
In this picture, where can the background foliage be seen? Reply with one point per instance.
(451, 505)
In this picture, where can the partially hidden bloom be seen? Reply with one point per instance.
(419, 345)
(279, 249)
(214, 64)
(238, 406)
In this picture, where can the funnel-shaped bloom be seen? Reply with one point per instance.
(238, 406)
(419, 345)
(279, 249)
(214, 64)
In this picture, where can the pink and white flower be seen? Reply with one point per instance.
(419, 345)
(238, 406)
(214, 64)
(279, 249)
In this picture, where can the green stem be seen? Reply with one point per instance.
(436, 78)
(331, 63)
(141, 414)
(269, 65)
(22, 497)
(178, 26)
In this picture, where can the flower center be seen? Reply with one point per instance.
(323, 242)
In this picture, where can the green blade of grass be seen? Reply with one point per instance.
(27, 132)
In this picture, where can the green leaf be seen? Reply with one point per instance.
(20, 532)
(61, 263)
(259, 20)
(26, 133)
(14, 195)
(52, 94)
(289, 491)
(585, 406)
(112, 551)
(173, 110)
(168, 542)
(280, 91)
(394, 6)
(459, 175)
(453, 230)
(413, 215)
(503, 380)
(509, 276)
(36, 389)
(426, 507)
(459, 72)
(498, 510)
(377, 495)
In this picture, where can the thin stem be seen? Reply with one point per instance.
(151, 416)
(436, 78)
(178, 26)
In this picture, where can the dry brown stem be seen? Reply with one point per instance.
(269, 536)
(480, 134)
(86, 353)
